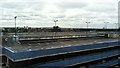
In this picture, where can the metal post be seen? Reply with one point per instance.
(7, 63)
(15, 26)
(55, 27)
(105, 24)
(87, 28)
(87, 24)
(55, 22)
(116, 24)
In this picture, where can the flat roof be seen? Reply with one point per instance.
(58, 44)
(27, 51)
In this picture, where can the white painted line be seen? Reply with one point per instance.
(9, 50)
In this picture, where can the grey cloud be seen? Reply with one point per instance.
(61, 16)
(12, 5)
(72, 5)
(102, 7)
(22, 5)
(40, 15)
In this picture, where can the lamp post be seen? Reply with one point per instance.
(116, 25)
(105, 24)
(55, 28)
(55, 21)
(15, 26)
(87, 24)
(15, 29)
(87, 28)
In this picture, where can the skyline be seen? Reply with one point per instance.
(70, 13)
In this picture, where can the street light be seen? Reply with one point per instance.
(15, 36)
(105, 26)
(55, 21)
(87, 28)
(87, 24)
(55, 27)
(116, 25)
(15, 26)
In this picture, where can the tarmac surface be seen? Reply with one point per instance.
(57, 44)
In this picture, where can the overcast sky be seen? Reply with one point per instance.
(69, 13)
